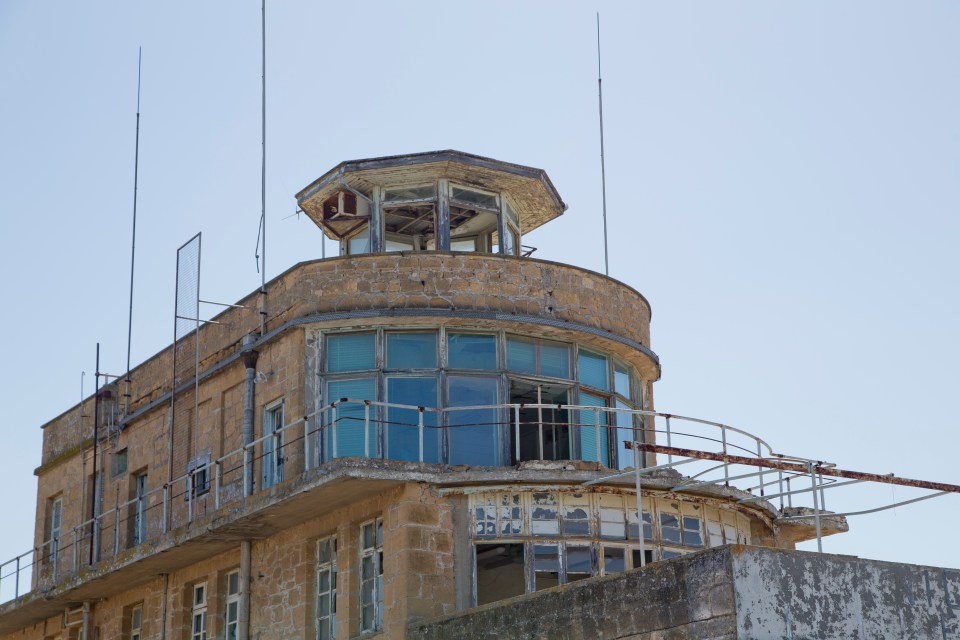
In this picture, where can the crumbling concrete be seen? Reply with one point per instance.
(750, 593)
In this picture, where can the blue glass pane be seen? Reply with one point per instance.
(471, 351)
(625, 433)
(402, 429)
(521, 355)
(351, 352)
(473, 433)
(590, 435)
(593, 370)
(555, 360)
(411, 350)
(621, 381)
(350, 418)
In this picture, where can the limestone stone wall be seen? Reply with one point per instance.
(418, 563)
(433, 280)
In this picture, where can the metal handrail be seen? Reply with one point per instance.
(51, 559)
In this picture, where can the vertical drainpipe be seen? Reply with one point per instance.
(85, 629)
(249, 355)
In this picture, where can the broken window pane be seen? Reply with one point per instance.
(473, 197)
(612, 518)
(500, 572)
(670, 528)
(579, 562)
(543, 519)
(546, 566)
(691, 532)
(576, 515)
(423, 192)
(614, 560)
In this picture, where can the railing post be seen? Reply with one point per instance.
(539, 426)
(76, 544)
(420, 430)
(726, 467)
(816, 506)
(516, 428)
(366, 429)
(307, 448)
(36, 566)
(760, 455)
(116, 530)
(16, 581)
(190, 485)
(333, 431)
(247, 464)
(596, 426)
(166, 505)
(669, 441)
(216, 485)
(780, 487)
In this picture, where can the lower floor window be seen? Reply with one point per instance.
(371, 575)
(327, 589)
(198, 614)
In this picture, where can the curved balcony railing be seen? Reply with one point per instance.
(520, 432)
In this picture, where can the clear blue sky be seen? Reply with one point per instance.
(782, 184)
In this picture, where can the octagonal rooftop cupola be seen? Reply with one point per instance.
(439, 200)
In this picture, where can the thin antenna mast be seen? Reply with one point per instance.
(133, 241)
(263, 170)
(603, 172)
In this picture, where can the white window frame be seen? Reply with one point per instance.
(56, 527)
(232, 621)
(140, 508)
(198, 610)
(375, 554)
(327, 620)
(136, 622)
(271, 472)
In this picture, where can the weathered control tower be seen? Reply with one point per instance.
(430, 422)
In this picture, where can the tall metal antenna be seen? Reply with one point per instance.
(603, 172)
(133, 241)
(263, 170)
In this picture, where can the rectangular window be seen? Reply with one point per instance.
(327, 589)
(371, 575)
(471, 351)
(351, 352)
(474, 435)
(612, 517)
(272, 459)
(544, 518)
(621, 381)
(55, 520)
(546, 566)
(528, 355)
(345, 433)
(408, 194)
(593, 370)
(475, 198)
(410, 350)
(140, 508)
(594, 435)
(136, 622)
(576, 514)
(579, 562)
(692, 534)
(614, 560)
(198, 612)
(500, 572)
(119, 463)
(233, 605)
(198, 482)
(403, 426)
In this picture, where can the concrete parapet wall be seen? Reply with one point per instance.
(751, 593)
